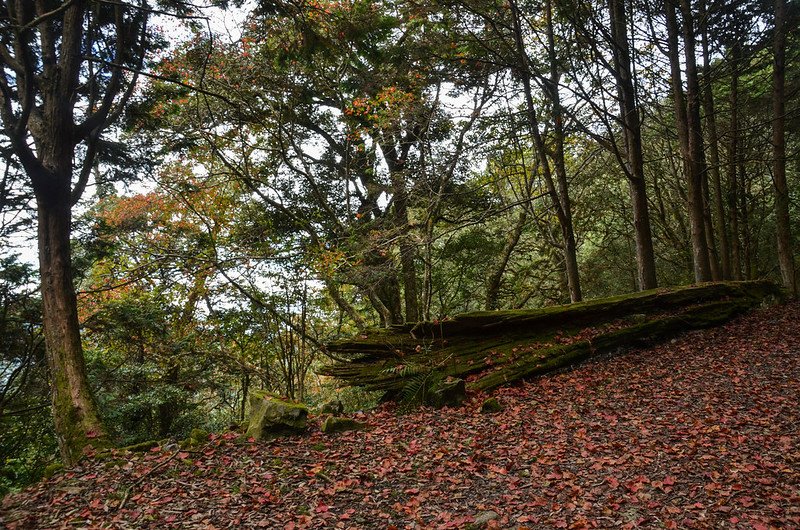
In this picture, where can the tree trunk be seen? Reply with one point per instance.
(427, 275)
(493, 348)
(496, 275)
(645, 257)
(687, 121)
(714, 168)
(782, 221)
(713, 258)
(77, 422)
(747, 249)
(567, 228)
(396, 162)
(733, 165)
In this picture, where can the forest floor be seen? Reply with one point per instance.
(698, 432)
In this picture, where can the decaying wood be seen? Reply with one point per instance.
(493, 348)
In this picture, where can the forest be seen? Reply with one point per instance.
(218, 190)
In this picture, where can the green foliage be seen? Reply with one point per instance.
(28, 446)
(352, 398)
(421, 379)
(27, 441)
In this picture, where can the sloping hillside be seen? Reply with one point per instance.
(698, 432)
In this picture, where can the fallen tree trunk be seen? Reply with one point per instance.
(494, 348)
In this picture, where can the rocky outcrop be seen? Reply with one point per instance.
(334, 424)
(272, 417)
(489, 349)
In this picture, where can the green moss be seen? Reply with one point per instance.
(519, 343)
(52, 469)
(142, 447)
(199, 435)
(491, 405)
(111, 464)
(335, 424)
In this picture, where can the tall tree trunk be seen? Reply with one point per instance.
(560, 195)
(559, 164)
(645, 257)
(687, 118)
(744, 213)
(427, 275)
(713, 152)
(785, 257)
(77, 422)
(713, 258)
(396, 162)
(733, 166)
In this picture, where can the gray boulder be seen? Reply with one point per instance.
(335, 424)
(272, 417)
(448, 393)
(334, 406)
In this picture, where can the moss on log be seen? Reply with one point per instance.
(493, 348)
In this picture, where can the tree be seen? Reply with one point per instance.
(604, 29)
(68, 71)
(687, 121)
(785, 257)
(623, 72)
(357, 82)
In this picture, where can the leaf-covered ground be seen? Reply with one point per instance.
(699, 432)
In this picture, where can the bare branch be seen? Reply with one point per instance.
(44, 17)
(151, 75)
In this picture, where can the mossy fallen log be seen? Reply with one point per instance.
(494, 348)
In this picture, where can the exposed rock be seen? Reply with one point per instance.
(483, 518)
(272, 417)
(196, 438)
(335, 424)
(495, 348)
(199, 435)
(334, 406)
(491, 405)
(448, 393)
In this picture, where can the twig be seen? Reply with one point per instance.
(325, 477)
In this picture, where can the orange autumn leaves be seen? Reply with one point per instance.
(386, 108)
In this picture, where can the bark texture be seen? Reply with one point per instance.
(690, 138)
(75, 413)
(785, 255)
(626, 94)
